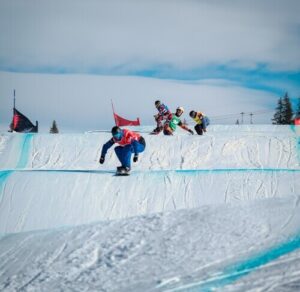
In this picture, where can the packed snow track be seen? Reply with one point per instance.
(51, 181)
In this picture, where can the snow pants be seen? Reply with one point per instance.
(159, 120)
(124, 152)
(199, 128)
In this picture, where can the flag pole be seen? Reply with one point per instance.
(113, 109)
(14, 98)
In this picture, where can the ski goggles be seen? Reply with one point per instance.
(118, 136)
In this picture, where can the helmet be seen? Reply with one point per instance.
(193, 114)
(117, 132)
(180, 108)
(157, 103)
(179, 111)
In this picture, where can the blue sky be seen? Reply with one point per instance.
(251, 44)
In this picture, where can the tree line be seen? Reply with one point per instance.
(284, 114)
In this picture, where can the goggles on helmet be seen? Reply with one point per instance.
(118, 136)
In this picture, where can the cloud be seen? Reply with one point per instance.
(127, 36)
(222, 57)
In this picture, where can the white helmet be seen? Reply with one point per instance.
(180, 108)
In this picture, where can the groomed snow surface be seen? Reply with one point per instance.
(198, 213)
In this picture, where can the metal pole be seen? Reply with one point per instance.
(242, 113)
(251, 114)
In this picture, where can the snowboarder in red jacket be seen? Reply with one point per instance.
(129, 143)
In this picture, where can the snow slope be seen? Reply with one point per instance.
(218, 211)
(197, 248)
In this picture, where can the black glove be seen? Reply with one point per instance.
(191, 131)
(135, 157)
(102, 159)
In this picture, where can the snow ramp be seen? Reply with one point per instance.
(49, 181)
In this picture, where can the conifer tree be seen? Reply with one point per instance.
(297, 111)
(54, 129)
(278, 116)
(287, 110)
(284, 112)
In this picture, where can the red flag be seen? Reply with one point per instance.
(123, 122)
(297, 121)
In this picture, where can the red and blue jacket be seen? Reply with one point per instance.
(163, 110)
(127, 139)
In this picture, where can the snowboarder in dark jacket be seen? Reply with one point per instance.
(163, 114)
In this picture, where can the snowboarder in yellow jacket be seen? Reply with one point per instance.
(201, 120)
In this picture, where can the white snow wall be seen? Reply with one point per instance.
(51, 180)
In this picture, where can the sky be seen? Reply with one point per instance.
(252, 46)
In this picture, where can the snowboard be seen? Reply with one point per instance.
(121, 171)
(154, 133)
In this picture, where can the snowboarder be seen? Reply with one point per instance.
(130, 143)
(163, 114)
(201, 120)
(170, 125)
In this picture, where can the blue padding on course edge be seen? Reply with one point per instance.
(4, 174)
(24, 151)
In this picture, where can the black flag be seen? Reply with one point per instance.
(22, 124)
